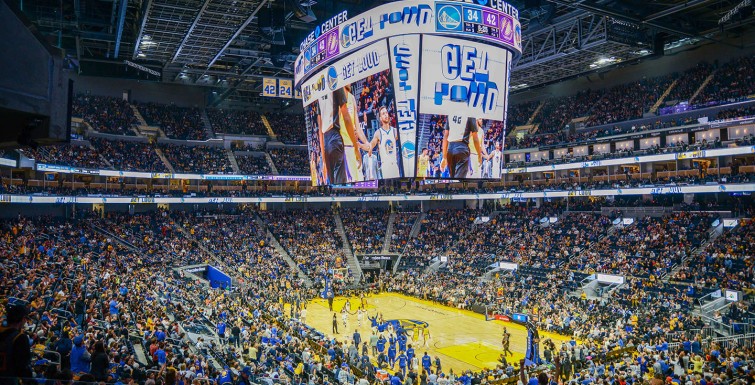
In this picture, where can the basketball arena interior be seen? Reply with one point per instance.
(368, 192)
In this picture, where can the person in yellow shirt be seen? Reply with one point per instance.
(423, 164)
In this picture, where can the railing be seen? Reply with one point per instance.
(723, 342)
(718, 326)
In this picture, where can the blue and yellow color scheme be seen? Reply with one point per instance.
(398, 324)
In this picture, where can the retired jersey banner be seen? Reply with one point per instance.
(284, 88)
(270, 87)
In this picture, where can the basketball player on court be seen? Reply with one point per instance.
(386, 137)
(476, 162)
(505, 342)
(495, 158)
(332, 108)
(456, 152)
(353, 158)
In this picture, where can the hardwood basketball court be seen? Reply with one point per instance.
(462, 339)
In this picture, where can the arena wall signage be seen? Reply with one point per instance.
(97, 199)
(464, 50)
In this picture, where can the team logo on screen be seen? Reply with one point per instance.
(518, 36)
(332, 78)
(449, 17)
(507, 28)
(333, 42)
(407, 150)
(389, 146)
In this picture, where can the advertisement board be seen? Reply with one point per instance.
(405, 61)
(493, 21)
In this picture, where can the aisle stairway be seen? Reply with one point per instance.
(269, 127)
(389, 233)
(167, 164)
(139, 116)
(662, 98)
(702, 86)
(282, 251)
(356, 270)
(535, 113)
(416, 227)
(232, 159)
(206, 124)
(271, 163)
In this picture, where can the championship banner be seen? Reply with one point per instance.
(284, 88)
(404, 51)
(270, 87)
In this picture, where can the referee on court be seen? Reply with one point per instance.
(333, 108)
(456, 136)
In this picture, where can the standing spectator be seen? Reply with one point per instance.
(14, 344)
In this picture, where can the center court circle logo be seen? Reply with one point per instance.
(449, 17)
(332, 78)
(407, 150)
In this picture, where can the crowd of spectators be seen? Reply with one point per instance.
(628, 101)
(236, 122)
(365, 229)
(649, 248)
(110, 304)
(197, 159)
(129, 156)
(310, 237)
(689, 82)
(732, 82)
(254, 165)
(289, 128)
(81, 155)
(725, 262)
(183, 123)
(290, 161)
(402, 228)
(519, 114)
(105, 114)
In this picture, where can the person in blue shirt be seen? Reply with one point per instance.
(357, 338)
(403, 362)
(381, 344)
(395, 380)
(160, 335)
(391, 355)
(426, 362)
(402, 341)
(114, 307)
(225, 376)
(80, 357)
(410, 355)
(162, 357)
(221, 330)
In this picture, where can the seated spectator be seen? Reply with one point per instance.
(197, 159)
(105, 114)
(176, 122)
(236, 122)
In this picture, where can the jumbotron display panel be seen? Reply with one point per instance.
(409, 90)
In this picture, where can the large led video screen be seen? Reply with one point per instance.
(351, 120)
(459, 147)
(462, 109)
(409, 89)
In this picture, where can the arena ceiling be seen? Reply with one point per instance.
(229, 45)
